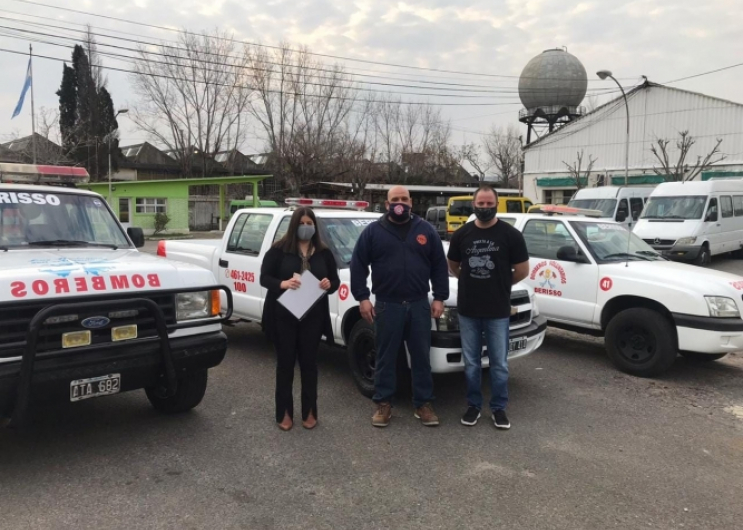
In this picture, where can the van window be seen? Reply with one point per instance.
(738, 205)
(680, 207)
(623, 208)
(431, 216)
(635, 205)
(607, 206)
(513, 206)
(726, 205)
(442, 214)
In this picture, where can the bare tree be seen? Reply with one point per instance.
(304, 109)
(193, 96)
(414, 143)
(473, 154)
(503, 147)
(680, 171)
(576, 171)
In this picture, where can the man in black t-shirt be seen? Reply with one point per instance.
(488, 256)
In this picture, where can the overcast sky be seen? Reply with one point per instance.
(661, 39)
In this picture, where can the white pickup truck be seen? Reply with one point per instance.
(84, 314)
(236, 261)
(596, 277)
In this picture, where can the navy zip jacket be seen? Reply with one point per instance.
(402, 270)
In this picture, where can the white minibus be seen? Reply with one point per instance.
(693, 221)
(619, 203)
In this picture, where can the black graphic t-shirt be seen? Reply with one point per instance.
(486, 257)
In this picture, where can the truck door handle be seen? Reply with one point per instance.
(223, 263)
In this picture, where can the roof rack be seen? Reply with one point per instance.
(551, 209)
(42, 174)
(327, 203)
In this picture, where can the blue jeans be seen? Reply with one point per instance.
(495, 331)
(393, 324)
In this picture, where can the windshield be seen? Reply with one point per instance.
(607, 206)
(463, 208)
(683, 207)
(613, 242)
(30, 219)
(341, 235)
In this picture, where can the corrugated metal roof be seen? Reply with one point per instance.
(656, 112)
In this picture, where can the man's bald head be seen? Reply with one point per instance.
(398, 194)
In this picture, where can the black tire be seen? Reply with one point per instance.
(702, 357)
(641, 342)
(362, 356)
(704, 258)
(190, 392)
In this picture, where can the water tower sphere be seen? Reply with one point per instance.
(553, 78)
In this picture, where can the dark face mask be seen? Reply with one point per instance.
(485, 214)
(399, 212)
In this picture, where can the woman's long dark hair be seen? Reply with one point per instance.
(288, 243)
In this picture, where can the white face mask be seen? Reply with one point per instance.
(305, 232)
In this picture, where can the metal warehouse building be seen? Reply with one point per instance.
(656, 111)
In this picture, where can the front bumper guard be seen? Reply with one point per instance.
(16, 412)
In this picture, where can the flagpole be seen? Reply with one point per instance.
(33, 110)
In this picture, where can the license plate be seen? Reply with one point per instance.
(516, 344)
(513, 345)
(95, 386)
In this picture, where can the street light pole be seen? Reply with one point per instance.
(120, 111)
(603, 74)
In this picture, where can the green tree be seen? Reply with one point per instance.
(87, 116)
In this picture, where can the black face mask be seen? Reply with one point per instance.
(399, 212)
(484, 214)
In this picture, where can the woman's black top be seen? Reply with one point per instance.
(278, 266)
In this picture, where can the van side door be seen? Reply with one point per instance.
(711, 226)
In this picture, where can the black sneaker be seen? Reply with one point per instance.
(471, 416)
(501, 420)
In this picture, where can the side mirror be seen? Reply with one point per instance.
(711, 217)
(621, 216)
(568, 253)
(136, 235)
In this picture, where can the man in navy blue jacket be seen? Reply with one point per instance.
(406, 257)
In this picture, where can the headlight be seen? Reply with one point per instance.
(449, 320)
(686, 241)
(199, 304)
(721, 306)
(534, 306)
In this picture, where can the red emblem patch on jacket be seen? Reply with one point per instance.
(421, 239)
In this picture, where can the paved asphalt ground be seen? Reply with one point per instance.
(590, 448)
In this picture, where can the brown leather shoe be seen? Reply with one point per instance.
(427, 416)
(383, 414)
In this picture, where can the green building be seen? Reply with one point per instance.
(136, 202)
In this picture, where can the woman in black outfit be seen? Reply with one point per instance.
(300, 249)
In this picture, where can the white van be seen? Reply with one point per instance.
(693, 221)
(619, 203)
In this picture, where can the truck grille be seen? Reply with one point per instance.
(660, 242)
(523, 318)
(15, 320)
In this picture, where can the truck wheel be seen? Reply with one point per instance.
(641, 342)
(704, 258)
(362, 356)
(190, 392)
(702, 357)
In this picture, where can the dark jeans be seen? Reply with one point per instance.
(394, 323)
(297, 341)
(495, 331)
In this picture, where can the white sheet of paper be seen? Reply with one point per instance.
(299, 301)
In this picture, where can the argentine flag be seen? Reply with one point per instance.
(26, 86)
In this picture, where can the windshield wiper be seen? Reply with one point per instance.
(70, 243)
(650, 253)
(625, 255)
